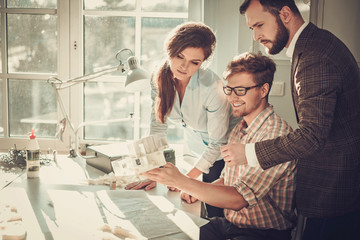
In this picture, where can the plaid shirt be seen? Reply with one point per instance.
(269, 192)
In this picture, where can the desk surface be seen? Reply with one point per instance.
(61, 205)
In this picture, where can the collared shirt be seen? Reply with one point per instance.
(270, 192)
(291, 48)
(250, 148)
(203, 113)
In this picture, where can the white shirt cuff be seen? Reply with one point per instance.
(203, 166)
(251, 155)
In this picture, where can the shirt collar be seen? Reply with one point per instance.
(291, 48)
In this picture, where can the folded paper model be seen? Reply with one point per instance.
(146, 153)
(132, 157)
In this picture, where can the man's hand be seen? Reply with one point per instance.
(233, 154)
(146, 184)
(168, 175)
(188, 198)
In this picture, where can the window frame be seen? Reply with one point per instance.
(7, 142)
(70, 30)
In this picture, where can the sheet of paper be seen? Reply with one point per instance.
(152, 217)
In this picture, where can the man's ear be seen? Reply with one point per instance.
(265, 88)
(285, 14)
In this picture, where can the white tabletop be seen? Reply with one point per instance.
(61, 205)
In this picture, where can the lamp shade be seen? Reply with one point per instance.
(137, 79)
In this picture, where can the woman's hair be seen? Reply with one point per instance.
(261, 67)
(190, 34)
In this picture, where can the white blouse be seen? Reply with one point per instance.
(204, 114)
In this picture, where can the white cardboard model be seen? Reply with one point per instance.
(144, 154)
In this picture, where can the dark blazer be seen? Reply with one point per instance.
(325, 86)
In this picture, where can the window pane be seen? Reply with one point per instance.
(128, 5)
(31, 3)
(32, 104)
(104, 37)
(32, 44)
(108, 101)
(1, 112)
(180, 6)
(153, 32)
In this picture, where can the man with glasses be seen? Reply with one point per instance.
(258, 204)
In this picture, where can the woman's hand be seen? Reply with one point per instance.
(173, 189)
(187, 197)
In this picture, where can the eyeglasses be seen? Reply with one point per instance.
(239, 91)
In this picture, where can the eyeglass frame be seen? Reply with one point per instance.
(233, 89)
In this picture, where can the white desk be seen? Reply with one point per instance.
(61, 205)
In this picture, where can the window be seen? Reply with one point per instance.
(68, 39)
(28, 56)
(31, 50)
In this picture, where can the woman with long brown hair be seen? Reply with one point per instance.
(190, 95)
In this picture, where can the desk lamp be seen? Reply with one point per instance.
(136, 79)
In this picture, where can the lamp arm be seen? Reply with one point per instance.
(61, 104)
(93, 75)
(56, 82)
(135, 74)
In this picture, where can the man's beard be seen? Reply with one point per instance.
(239, 112)
(281, 38)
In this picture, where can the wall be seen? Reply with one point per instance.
(342, 18)
(223, 18)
